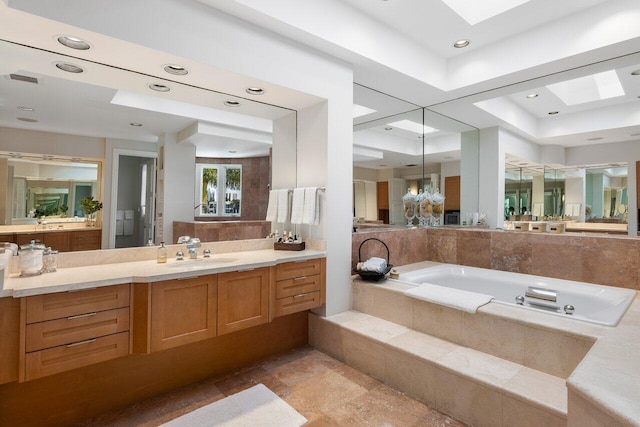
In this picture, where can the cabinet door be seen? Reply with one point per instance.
(243, 300)
(86, 240)
(183, 311)
(58, 240)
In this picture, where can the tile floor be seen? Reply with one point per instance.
(324, 390)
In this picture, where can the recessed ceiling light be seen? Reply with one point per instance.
(74, 43)
(388, 128)
(26, 119)
(26, 108)
(461, 43)
(176, 70)
(254, 90)
(135, 124)
(76, 159)
(69, 68)
(232, 103)
(420, 136)
(635, 73)
(159, 87)
(232, 151)
(553, 113)
(595, 139)
(532, 95)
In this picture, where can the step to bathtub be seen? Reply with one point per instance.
(475, 387)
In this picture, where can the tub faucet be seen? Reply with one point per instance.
(192, 244)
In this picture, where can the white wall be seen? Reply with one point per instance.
(469, 171)
(491, 176)
(27, 141)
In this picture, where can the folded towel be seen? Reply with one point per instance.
(119, 227)
(119, 214)
(272, 208)
(311, 211)
(128, 214)
(297, 205)
(283, 205)
(451, 297)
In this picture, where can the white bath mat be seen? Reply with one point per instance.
(257, 406)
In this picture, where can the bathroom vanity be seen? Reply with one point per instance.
(84, 333)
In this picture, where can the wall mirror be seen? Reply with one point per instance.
(49, 188)
(51, 113)
(400, 147)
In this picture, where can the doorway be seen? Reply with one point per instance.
(133, 214)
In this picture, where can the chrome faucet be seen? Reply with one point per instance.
(192, 244)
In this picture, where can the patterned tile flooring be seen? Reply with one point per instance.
(325, 391)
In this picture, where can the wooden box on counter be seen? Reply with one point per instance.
(282, 246)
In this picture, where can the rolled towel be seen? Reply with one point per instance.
(297, 205)
(450, 297)
(272, 208)
(378, 265)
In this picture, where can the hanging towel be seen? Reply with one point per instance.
(128, 214)
(311, 211)
(272, 208)
(454, 298)
(297, 205)
(119, 227)
(283, 206)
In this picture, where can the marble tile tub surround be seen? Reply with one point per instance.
(477, 388)
(606, 260)
(221, 230)
(602, 389)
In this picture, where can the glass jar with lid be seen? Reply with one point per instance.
(31, 258)
(49, 260)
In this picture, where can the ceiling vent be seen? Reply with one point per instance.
(22, 78)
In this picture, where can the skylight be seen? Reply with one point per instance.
(412, 126)
(478, 11)
(361, 110)
(588, 89)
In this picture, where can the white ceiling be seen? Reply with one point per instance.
(403, 58)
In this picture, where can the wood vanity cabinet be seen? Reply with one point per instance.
(68, 330)
(243, 299)
(63, 241)
(298, 286)
(9, 339)
(175, 312)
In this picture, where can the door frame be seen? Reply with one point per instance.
(117, 152)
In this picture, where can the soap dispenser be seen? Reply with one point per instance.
(162, 253)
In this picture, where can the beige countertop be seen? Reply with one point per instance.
(144, 271)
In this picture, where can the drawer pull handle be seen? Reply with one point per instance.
(79, 316)
(299, 296)
(300, 278)
(81, 343)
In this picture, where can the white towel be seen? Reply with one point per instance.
(311, 210)
(373, 264)
(451, 297)
(119, 214)
(119, 227)
(128, 227)
(128, 214)
(297, 205)
(272, 208)
(283, 205)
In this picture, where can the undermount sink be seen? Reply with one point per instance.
(199, 262)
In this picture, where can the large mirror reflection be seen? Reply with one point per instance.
(402, 151)
(100, 132)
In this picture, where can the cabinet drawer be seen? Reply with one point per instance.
(72, 356)
(76, 328)
(290, 270)
(297, 303)
(297, 286)
(65, 304)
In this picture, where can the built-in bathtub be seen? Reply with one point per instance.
(593, 303)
